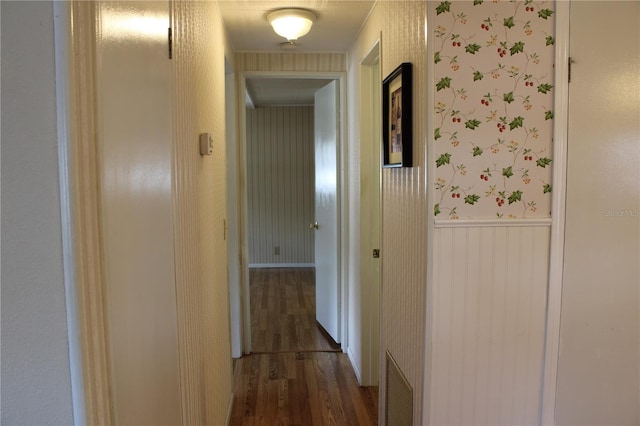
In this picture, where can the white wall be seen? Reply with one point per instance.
(36, 383)
(599, 362)
(200, 48)
(280, 185)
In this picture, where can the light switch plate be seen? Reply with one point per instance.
(206, 144)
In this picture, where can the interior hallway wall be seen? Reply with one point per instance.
(297, 62)
(490, 184)
(200, 46)
(401, 27)
(36, 378)
(280, 185)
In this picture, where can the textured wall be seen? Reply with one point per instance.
(201, 261)
(489, 305)
(404, 201)
(36, 382)
(493, 108)
(313, 62)
(404, 206)
(280, 184)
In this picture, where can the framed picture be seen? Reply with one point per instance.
(397, 123)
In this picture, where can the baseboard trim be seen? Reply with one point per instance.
(282, 265)
(230, 409)
(355, 366)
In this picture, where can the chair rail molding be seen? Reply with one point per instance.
(481, 223)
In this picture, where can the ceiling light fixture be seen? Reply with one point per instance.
(291, 23)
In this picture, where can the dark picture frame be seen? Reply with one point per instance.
(397, 117)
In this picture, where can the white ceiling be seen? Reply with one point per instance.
(337, 25)
(265, 91)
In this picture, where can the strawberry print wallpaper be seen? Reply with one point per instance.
(493, 109)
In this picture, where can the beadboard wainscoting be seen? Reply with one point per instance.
(489, 304)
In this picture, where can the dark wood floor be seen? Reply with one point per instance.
(283, 315)
(296, 375)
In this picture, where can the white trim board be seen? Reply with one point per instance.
(282, 265)
(558, 206)
(82, 248)
(475, 223)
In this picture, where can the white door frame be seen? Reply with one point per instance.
(370, 129)
(233, 263)
(82, 247)
(558, 206)
(341, 77)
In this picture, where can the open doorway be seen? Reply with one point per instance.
(283, 252)
(292, 183)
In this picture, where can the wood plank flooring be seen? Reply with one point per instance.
(296, 374)
(283, 315)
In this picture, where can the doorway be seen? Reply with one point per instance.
(277, 254)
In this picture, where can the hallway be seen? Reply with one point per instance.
(295, 375)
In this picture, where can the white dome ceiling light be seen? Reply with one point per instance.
(291, 23)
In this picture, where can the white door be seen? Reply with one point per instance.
(327, 249)
(133, 79)
(598, 369)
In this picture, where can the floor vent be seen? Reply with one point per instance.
(399, 396)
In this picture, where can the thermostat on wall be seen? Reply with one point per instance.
(206, 144)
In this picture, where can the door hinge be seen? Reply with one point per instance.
(170, 38)
(376, 253)
(569, 69)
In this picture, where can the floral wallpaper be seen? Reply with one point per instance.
(493, 109)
